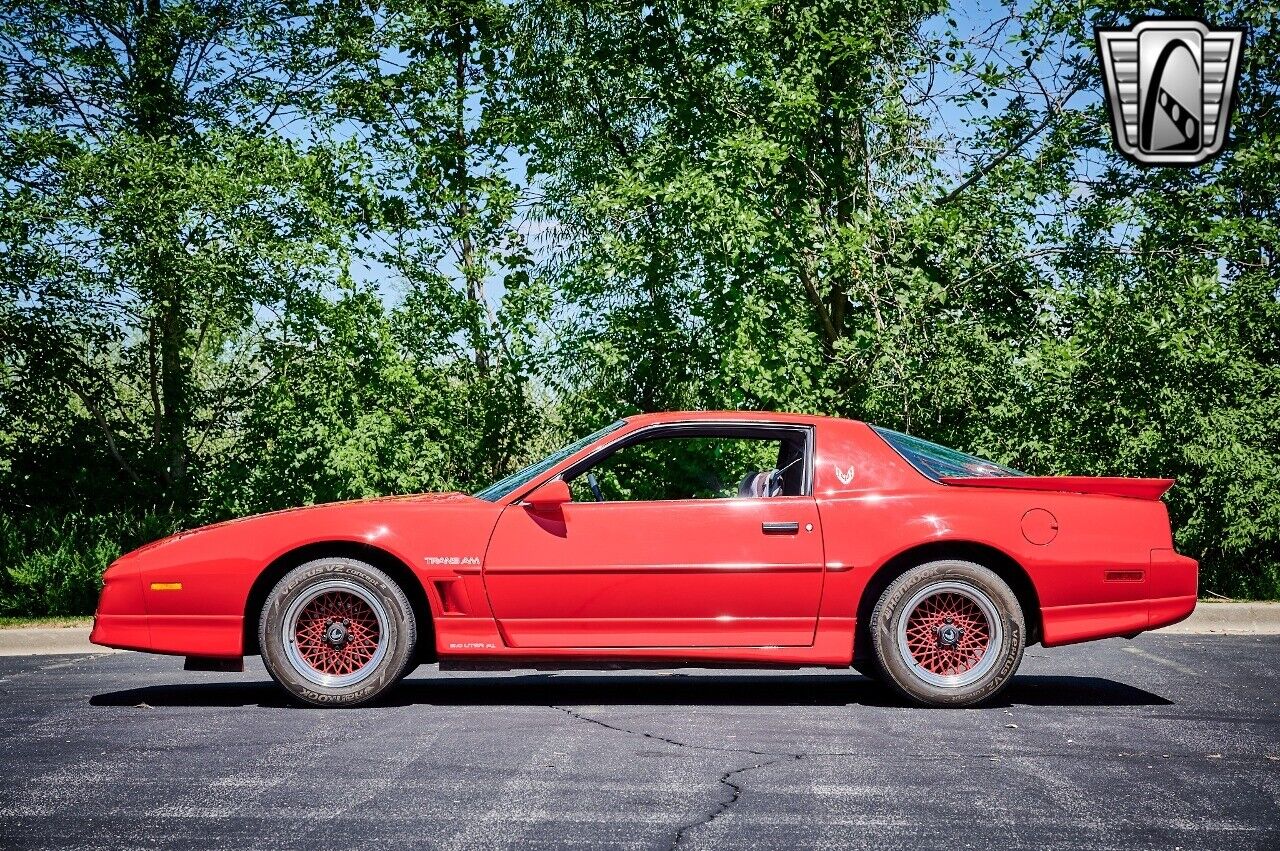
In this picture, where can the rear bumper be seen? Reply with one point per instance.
(1168, 593)
(1175, 583)
(1170, 610)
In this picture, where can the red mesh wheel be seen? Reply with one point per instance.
(947, 634)
(337, 633)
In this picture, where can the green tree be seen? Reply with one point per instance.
(263, 253)
(753, 210)
(155, 207)
(1161, 346)
(431, 103)
(865, 209)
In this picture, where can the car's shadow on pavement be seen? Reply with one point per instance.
(678, 689)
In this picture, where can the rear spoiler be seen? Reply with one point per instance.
(1106, 485)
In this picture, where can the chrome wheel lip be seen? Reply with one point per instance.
(990, 657)
(289, 629)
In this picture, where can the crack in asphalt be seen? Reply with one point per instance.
(725, 780)
(735, 792)
(931, 757)
(655, 737)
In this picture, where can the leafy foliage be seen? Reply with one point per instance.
(266, 253)
(54, 561)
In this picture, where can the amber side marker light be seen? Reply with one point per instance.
(166, 586)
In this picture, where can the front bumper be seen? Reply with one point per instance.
(121, 620)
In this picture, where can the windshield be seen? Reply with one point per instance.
(937, 461)
(515, 481)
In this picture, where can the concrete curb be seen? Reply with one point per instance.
(1222, 618)
(1209, 618)
(46, 641)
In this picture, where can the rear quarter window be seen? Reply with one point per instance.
(937, 461)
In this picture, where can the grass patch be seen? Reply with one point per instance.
(45, 622)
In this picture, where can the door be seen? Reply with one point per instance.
(699, 567)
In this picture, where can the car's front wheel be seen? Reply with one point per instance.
(336, 632)
(948, 633)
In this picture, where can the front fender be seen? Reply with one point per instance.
(187, 594)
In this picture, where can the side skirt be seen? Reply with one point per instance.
(639, 665)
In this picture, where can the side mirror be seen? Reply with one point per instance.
(549, 497)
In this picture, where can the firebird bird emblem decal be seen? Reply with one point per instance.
(845, 476)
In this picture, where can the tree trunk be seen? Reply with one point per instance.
(156, 114)
(462, 186)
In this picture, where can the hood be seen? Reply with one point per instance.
(420, 498)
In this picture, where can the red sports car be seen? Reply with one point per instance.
(682, 538)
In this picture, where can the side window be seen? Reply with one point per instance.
(689, 467)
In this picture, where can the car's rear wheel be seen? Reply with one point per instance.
(337, 632)
(948, 633)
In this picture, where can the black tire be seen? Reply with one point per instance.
(967, 664)
(337, 632)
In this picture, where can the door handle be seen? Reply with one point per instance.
(780, 528)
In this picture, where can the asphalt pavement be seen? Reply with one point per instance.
(1168, 741)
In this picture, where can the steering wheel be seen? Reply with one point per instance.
(594, 484)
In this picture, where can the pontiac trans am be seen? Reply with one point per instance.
(750, 539)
